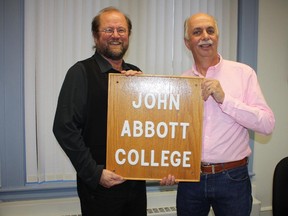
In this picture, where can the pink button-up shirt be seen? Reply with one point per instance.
(225, 126)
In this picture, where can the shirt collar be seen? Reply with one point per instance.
(214, 67)
(105, 66)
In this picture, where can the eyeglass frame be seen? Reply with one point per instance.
(110, 31)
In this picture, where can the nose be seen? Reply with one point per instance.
(205, 35)
(115, 34)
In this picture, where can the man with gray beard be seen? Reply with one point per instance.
(80, 122)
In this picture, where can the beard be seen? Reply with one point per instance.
(110, 52)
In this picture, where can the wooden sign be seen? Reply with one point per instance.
(154, 127)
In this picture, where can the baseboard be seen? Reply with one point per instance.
(42, 207)
(266, 211)
(159, 203)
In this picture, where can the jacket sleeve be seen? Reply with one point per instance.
(69, 122)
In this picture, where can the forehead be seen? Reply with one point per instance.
(112, 18)
(202, 21)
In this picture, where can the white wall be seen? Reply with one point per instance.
(273, 77)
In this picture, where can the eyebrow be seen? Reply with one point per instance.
(198, 27)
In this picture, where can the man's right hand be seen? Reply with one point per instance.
(109, 179)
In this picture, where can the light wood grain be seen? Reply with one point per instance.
(184, 107)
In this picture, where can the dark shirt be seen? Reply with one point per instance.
(74, 123)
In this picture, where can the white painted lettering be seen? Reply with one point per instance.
(165, 129)
(130, 157)
(153, 163)
(122, 151)
(138, 105)
(160, 101)
(184, 125)
(150, 101)
(167, 159)
(164, 158)
(137, 129)
(174, 101)
(175, 162)
(126, 129)
(143, 163)
(148, 129)
(186, 159)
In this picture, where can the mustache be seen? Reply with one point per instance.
(205, 42)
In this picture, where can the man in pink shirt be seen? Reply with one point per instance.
(233, 103)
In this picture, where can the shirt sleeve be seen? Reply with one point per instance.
(252, 112)
(68, 124)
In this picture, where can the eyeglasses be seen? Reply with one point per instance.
(110, 31)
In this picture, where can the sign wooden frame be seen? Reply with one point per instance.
(154, 127)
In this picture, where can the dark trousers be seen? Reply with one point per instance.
(126, 199)
(228, 192)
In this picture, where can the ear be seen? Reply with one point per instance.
(187, 44)
(95, 38)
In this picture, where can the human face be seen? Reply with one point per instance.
(112, 46)
(202, 37)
